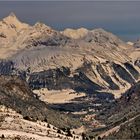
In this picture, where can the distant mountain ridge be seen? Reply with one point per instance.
(38, 48)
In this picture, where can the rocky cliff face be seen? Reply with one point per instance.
(108, 75)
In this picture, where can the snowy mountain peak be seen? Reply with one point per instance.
(41, 26)
(12, 14)
(75, 33)
(11, 18)
(13, 22)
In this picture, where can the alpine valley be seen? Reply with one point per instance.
(76, 84)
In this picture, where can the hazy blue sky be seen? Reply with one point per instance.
(121, 18)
